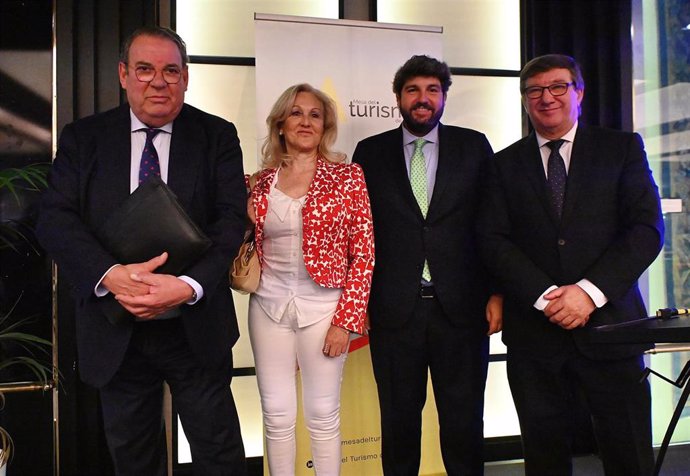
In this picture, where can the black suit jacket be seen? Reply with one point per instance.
(610, 232)
(90, 178)
(403, 237)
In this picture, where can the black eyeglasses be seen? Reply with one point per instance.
(557, 89)
(146, 74)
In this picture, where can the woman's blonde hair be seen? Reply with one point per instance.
(274, 151)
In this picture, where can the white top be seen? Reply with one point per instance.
(284, 278)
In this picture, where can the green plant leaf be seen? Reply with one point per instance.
(10, 332)
(32, 177)
(7, 447)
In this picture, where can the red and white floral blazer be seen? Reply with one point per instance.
(338, 235)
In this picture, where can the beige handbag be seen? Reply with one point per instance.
(245, 271)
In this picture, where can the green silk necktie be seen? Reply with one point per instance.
(419, 186)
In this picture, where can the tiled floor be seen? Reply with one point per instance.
(676, 463)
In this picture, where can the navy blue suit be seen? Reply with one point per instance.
(446, 334)
(89, 178)
(610, 231)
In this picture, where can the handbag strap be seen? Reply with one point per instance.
(252, 180)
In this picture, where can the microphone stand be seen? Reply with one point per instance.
(669, 325)
(680, 382)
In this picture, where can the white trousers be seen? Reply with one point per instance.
(280, 348)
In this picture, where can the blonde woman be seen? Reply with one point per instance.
(314, 239)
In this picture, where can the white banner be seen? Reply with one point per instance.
(352, 61)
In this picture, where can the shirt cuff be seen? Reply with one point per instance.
(594, 292)
(99, 290)
(541, 303)
(198, 290)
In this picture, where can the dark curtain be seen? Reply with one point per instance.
(597, 34)
(24, 269)
(89, 34)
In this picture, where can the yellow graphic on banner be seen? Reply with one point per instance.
(328, 87)
(360, 423)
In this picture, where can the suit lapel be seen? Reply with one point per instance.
(580, 157)
(186, 149)
(398, 170)
(114, 160)
(447, 155)
(533, 166)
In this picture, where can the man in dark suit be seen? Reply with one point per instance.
(184, 326)
(429, 292)
(570, 222)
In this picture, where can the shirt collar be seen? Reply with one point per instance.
(432, 136)
(136, 124)
(568, 136)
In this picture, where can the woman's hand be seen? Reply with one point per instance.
(336, 342)
(494, 313)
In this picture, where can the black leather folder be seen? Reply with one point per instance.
(149, 222)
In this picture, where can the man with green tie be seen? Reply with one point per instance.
(429, 301)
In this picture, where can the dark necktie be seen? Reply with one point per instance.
(556, 176)
(149, 165)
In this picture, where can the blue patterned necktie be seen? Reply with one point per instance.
(419, 187)
(556, 176)
(149, 165)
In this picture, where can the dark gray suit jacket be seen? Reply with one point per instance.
(90, 178)
(403, 237)
(610, 232)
